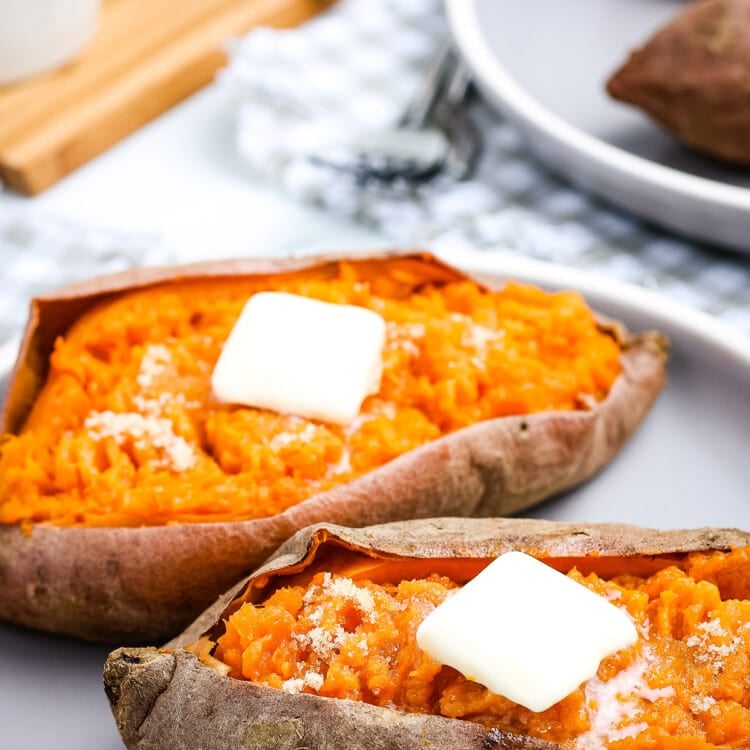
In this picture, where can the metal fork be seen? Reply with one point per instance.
(433, 136)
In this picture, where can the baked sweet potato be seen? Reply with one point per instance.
(329, 617)
(691, 77)
(108, 536)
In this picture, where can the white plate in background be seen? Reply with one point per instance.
(544, 64)
(686, 466)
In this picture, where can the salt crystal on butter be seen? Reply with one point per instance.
(525, 631)
(301, 356)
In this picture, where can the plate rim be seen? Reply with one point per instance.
(464, 23)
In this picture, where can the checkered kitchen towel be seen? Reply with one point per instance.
(355, 68)
(39, 252)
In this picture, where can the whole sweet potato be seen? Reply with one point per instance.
(691, 77)
(172, 698)
(142, 582)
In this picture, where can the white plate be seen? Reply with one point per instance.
(686, 466)
(544, 64)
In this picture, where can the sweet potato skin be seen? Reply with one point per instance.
(690, 76)
(194, 701)
(216, 713)
(136, 585)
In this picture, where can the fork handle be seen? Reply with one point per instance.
(458, 84)
(420, 108)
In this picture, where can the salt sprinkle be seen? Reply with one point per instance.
(405, 330)
(708, 652)
(145, 431)
(701, 703)
(324, 642)
(293, 685)
(347, 589)
(478, 337)
(155, 360)
(156, 406)
(147, 427)
(312, 680)
(403, 336)
(283, 439)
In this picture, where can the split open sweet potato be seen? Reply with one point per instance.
(691, 77)
(317, 648)
(129, 498)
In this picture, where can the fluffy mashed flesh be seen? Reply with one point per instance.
(125, 431)
(684, 686)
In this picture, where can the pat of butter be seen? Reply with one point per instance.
(301, 356)
(525, 631)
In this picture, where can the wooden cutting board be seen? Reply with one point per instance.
(146, 56)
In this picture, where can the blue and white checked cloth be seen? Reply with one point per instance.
(353, 68)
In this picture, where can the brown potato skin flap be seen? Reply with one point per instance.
(198, 705)
(143, 585)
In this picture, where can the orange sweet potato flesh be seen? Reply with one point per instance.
(691, 77)
(132, 584)
(142, 442)
(244, 714)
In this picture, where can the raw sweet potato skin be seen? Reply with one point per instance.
(138, 585)
(197, 704)
(691, 77)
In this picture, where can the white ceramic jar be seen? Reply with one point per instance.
(40, 35)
